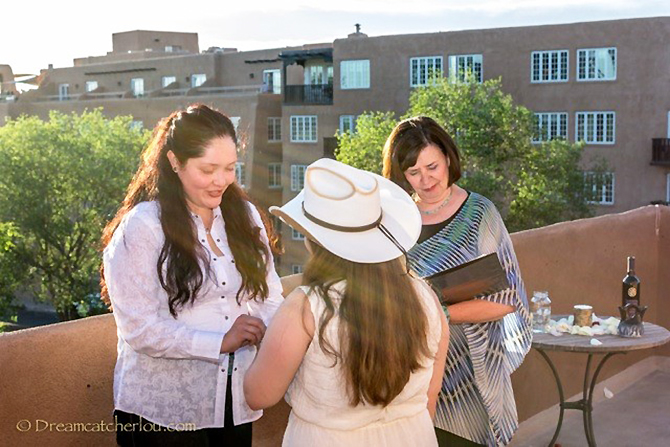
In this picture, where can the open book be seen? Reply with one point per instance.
(479, 277)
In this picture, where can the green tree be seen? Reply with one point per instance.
(531, 184)
(61, 180)
(11, 275)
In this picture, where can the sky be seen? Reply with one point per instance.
(57, 32)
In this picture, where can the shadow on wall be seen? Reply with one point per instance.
(62, 373)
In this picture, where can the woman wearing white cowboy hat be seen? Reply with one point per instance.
(359, 349)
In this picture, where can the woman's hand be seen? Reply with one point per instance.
(246, 330)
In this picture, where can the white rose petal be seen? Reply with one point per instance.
(596, 342)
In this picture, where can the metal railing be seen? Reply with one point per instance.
(318, 94)
(660, 151)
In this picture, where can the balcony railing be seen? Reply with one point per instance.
(660, 151)
(317, 94)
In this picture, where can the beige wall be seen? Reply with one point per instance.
(584, 262)
(140, 40)
(63, 372)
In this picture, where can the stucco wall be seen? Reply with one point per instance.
(583, 262)
(63, 373)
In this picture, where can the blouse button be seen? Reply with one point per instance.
(202, 240)
(223, 283)
(222, 297)
(235, 369)
(233, 261)
(215, 259)
(218, 240)
(226, 317)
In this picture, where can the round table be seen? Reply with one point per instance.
(654, 335)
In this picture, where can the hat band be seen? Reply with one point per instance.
(375, 224)
(331, 226)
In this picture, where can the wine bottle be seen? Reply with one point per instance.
(631, 285)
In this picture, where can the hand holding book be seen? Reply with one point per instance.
(479, 277)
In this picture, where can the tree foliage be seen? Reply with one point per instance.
(61, 180)
(531, 184)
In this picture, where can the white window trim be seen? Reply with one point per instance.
(567, 123)
(602, 192)
(455, 57)
(551, 81)
(277, 168)
(427, 74)
(295, 174)
(296, 235)
(352, 126)
(274, 121)
(138, 93)
(365, 84)
(616, 65)
(668, 130)
(595, 112)
(303, 119)
(63, 92)
(276, 87)
(296, 268)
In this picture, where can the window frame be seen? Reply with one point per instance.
(295, 177)
(163, 78)
(240, 174)
(603, 193)
(274, 128)
(87, 85)
(197, 76)
(456, 77)
(587, 79)
(549, 53)
(425, 59)
(137, 92)
(296, 235)
(274, 172)
(551, 116)
(359, 72)
(595, 128)
(312, 126)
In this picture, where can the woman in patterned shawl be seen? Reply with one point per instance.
(489, 335)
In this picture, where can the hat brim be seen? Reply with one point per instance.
(400, 217)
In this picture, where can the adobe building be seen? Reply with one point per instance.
(604, 83)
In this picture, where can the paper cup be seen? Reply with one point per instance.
(583, 315)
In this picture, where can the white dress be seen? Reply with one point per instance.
(321, 414)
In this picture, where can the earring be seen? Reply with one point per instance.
(174, 168)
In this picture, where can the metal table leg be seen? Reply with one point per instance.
(585, 404)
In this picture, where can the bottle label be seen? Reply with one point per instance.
(632, 292)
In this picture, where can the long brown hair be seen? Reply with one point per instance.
(186, 133)
(383, 325)
(408, 139)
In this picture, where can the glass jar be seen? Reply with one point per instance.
(540, 308)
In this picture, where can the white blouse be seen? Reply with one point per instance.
(169, 370)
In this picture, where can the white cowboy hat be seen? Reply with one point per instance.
(354, 214)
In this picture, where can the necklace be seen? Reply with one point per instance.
(442, 205)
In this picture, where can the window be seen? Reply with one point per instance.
(90, 86)
(63, 92)
(272, 81)
(599, 187)
(549, 66)
(296, 235)
(197, 80)
(172, 48)
(276, 224)
(667, 188)
(137, 124)
(596, 64)
(296, 268)
(274, 129)
(595, 127)
(354, 74)
(550, 126)
(318, 75)
(298, 177)
(460, 66)
(348, 123)
(421, 69)
(240, 174)
(303, 129)
(274, 175)
(167, 80)
(137, 86)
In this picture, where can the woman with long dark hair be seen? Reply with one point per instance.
(361, 345)
(490, 335)
(188, 271)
